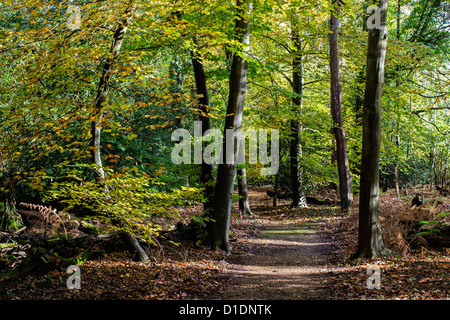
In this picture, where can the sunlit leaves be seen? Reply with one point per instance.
(50, 74)
(129, 204)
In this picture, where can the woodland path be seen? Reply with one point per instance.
(287, 261)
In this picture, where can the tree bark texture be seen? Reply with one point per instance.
(244, 205)
(345, 179)
(298, 197)
(370, 241)
(100, 102)
(102, 92)
(206, 177)
(223, 192)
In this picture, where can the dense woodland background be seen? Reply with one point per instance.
(91, 91)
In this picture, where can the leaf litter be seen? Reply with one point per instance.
(188, 271)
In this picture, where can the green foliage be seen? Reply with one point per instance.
(50, 76)
(425, 223)
(89, 227)
(442, 214)
(428, 233)
(197, 226)
(125, 200)
(80, 257)
(9, 217)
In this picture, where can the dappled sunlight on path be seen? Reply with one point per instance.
(288, 261)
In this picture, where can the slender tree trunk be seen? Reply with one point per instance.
(102, 92)
(370, 241)
(295, 148)
(206, 177)
(397, 134)
(433, 155)
(358, 93)
(134, 247)
(275, 187)
(345, 179)
(100, 102)
(223, 192)
(397, 147)
(244, 206)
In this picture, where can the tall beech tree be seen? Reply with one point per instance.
(102, 92)
(203, 103)
(244, 205)
(226, 174)
(295, 148)
(345, 180)
(370, 241)
(101, 101)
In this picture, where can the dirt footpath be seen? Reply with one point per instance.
(288, 261)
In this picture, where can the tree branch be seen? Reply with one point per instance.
(433, 124)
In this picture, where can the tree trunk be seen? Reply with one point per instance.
(345, 180)
(10, 216)
(100, 102)
(102, 93)
(298, 197)
(275, 188)
(397, 146)
(138, 253)
(223, 192)
(433, 155)
(244, 206)
(433, 234)
(370, 241)
(206, 177)
(397, 111)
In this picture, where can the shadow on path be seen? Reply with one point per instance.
(287, 262)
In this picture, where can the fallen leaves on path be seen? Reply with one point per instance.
(191, 272)
(116, 277)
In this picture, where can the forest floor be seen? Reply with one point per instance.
(288, 261)
(278, 253)
(305, 254)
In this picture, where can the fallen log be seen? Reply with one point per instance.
(436, 234)
(38, 261)
(106, 242)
